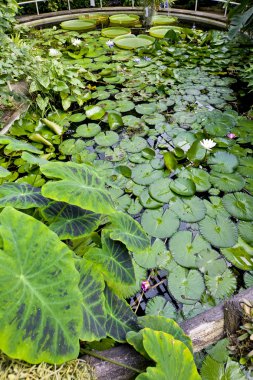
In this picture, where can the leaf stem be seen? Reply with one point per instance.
(101, 357)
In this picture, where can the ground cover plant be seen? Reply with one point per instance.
(130, 160)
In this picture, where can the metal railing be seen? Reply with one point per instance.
(92, 4)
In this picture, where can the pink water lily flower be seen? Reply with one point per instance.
(231, 135)
(208, 144)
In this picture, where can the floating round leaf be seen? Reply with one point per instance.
(159, 306)
(199, 177)
(222, 285)
(132, 42)
(160, 190)
(219, 231)
(185, 248)
(134, 145)
(144, 174)
(186, 285)
(108, 138)
(124, 19)
(146, 108)
(239, 205)
(188, 209)
(79, 25)
(160, 224)
(160, 31)
(94, 112)
(88, 130)
(147, 201)
(124, 105)
(223, 162)
(114, 32)
(240, 255)
(210, 262)
(245, 230)
(227, 182)
(246, 166)
(163, 20)
(183, 186)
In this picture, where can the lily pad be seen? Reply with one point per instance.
(94, 112)
(133, 145)
(160, 224)
(183, 186)
(78, 25)
(227, 182)
(220, 231)
(131, 42)
(108, 138)
(188, 209)
(144, 174)
(160, 190)
(147, 201)
(239, 205)
(113, 32)
(246, 231)
(240, 255)
(88, 130)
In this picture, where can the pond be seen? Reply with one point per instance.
(158, 119)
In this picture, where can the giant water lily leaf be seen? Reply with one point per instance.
(69, 221)
(227, 182)
(166, 351)
(160, 190)
(80, 25)
(239, 205)
(125, 229)
(92, 287)
(160, 224)
(41, 313)
(185, 285)
(21, 196)
(185, 248)
(120, 317)
(79, 185)
(220, 231)
(114, 31)
(223, 162)
(240, 255)
(114, 261)
(188, 209)
(222, 285)
(144, 174)
(131, 42)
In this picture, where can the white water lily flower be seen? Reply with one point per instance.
(54, 52)
(76, 41)
(208, 144)
(110, 43)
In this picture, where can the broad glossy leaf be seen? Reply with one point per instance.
(170, 161)
(92, 287)
(41, 313)
(160, 224)
(4, 172)
(114, 120)
(94, 112)
(79, 185)
(240, 255)
(120, 317)
(125, 229)
(114, 261)
(213, 370)
(220, 231)
(69, 221)
(21, 196)
(174, 360)
(14, 145)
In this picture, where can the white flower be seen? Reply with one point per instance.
(110, 43)
(137, 60)
(208, 144)
(54, 52)
(76, 41)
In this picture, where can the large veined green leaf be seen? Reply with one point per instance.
(114, 261)
(41, 312)
(223, 162)
(213, 370)
(174, 360)
(221, 285)
(219, 231)
(160, 224)
(239, 205)
(21, 196)
(185, 248)
(69, 221)
(240, 255)
(227, 182)
(186, 285)
(188, 209)
(124, 228)
(79, 185)
(160, 323)
(92, 287)
(13, 145)
(120, 317)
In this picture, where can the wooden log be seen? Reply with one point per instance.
(205, 329)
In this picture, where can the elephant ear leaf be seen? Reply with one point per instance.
(124, 228)
(78, 185)
(167, 352)
(41, 313)
(21, 196)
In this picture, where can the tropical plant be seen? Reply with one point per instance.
(241, 19)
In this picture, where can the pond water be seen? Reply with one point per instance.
(161, 123)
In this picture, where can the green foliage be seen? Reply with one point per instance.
(8, 10)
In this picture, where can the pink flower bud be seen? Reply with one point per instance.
(145, 285)
(231, 135)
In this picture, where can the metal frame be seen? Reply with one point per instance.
(101, 4)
